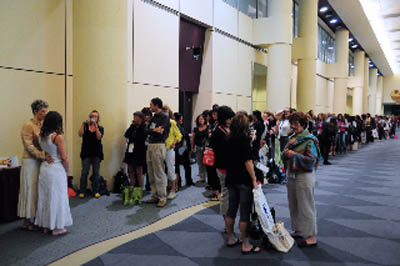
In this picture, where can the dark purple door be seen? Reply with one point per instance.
(191, 42)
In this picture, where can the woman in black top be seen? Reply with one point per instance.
(240, 180)
(91, 152)
(199, 138)
(135, 155)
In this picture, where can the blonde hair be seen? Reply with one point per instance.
(168, 111)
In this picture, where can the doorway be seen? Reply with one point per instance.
(191, 44)
(259, 90)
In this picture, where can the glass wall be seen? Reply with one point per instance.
(351, 64)
(326, 46)
(252, 8)
(295, 14)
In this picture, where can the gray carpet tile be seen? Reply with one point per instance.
(358, 216)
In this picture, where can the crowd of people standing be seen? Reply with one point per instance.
(157, 145)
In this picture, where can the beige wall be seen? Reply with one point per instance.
(32, 37)
(390, 83)
(260, 92)
(100, 75)
(349, 104)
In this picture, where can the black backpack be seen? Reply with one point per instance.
(121, 180)
(103, 187)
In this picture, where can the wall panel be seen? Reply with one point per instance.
(199, 10)
(19, 89)
(32, 34)
(226, 17)
(156, 45)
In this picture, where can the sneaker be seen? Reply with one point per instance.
(171, 195)
(81, 195)
(161, 203)
(97, 195)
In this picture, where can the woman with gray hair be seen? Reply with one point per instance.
(31, 159)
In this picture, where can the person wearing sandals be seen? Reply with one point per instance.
(199, 137)
(91, 152)
(219, 144)
(31, 159)
(240, 181)
(301, 157)
(53, 211)
(135, 157)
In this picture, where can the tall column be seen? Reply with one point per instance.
(366, 85)
(373, 78)
(307, 64)
(359, 58)
(279, 57)
(341, 71)
(379, 95)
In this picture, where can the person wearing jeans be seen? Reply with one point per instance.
(91, 152)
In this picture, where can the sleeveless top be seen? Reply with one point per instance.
(50, 148)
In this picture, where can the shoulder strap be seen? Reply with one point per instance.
(54, 140)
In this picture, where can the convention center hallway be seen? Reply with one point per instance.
(358, 210)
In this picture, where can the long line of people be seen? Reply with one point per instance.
(157, 145)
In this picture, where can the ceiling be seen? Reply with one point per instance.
(391, 17)
(385, 21)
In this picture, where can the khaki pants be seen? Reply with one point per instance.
(155, 158)
(224, 205)
(303, 215)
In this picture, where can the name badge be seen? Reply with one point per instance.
(153, 125)
(131, 147)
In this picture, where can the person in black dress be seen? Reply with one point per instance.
(182, 150)
(135, 157)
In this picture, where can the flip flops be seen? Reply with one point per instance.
(304, 244)
(237, 242)
(252, 250)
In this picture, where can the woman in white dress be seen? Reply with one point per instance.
(31, 159)
(53, 212)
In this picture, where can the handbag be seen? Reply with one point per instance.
(277, 234)
(208, 156)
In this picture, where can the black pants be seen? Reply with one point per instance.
(185, 161)
(240, 195)
(325, 146)
(213, 180)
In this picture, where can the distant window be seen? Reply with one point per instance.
(262, 9)
(351, 64)
(252, 8)
(233, 3)
(326, 46)
(295, 15)
(248, 7)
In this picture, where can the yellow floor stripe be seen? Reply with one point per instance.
(87, 254)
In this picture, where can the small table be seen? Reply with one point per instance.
(9, 192)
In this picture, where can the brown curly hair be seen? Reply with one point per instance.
(299, 117)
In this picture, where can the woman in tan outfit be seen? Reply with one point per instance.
(31, 159)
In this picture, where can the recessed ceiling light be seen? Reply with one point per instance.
(323, 9)
(352, 66)
(371, 65)
(351, 39)
(333, 21)
(354, 46)
(331, 48)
